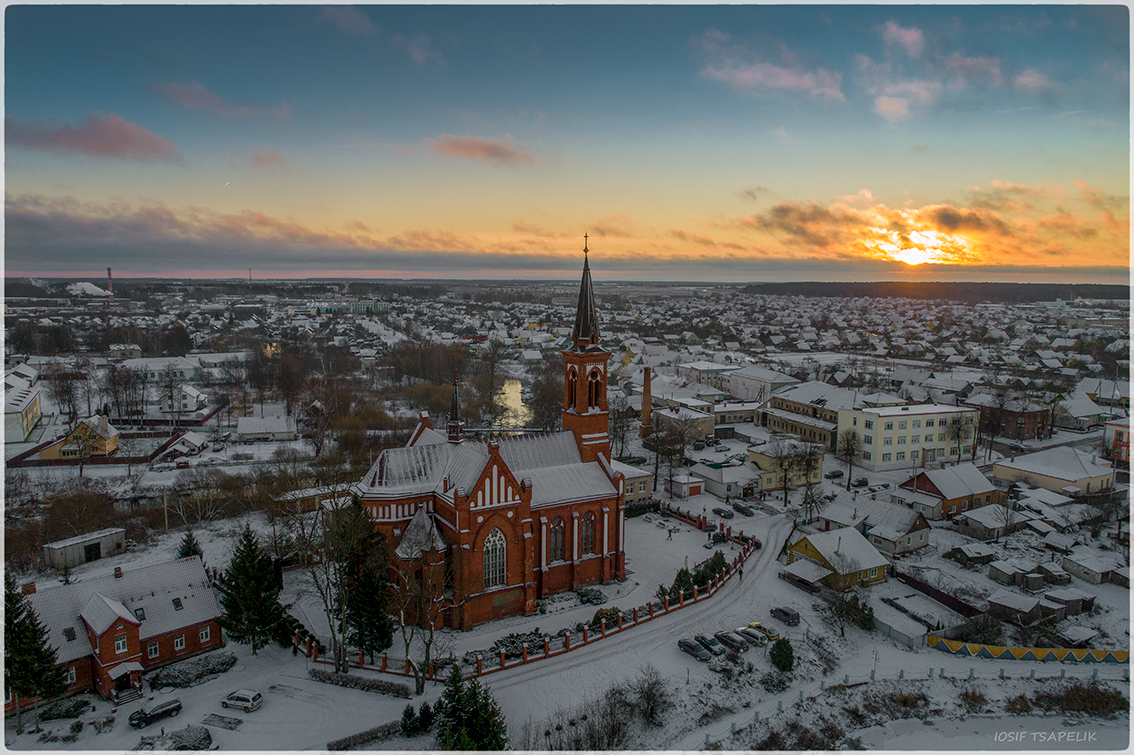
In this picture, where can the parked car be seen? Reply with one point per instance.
(732, 641)
(711, 644)
(752, 636)
(742, 509)
(698, 445)
(834, 474)
(694, 649)
(860, 482)
(789, 616)
(247, 699)
(143, 717)
(182, 464)
(723, 513)
(771, 634)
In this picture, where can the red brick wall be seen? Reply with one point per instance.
(193, 644)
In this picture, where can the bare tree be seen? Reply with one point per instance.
(619, 421)
(786, 454)
(420, 596)
(64, 394)
(960, 429)
(1008, 516)
(849, 448)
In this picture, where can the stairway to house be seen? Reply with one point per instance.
(128, 696)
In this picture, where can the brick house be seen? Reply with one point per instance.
(107, 631)
(512, 519)
(1016, 418)
(955, 489)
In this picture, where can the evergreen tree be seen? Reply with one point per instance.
(189, 546)
(782, 655)
(30, 668)
(468, 718)
(368, 620)
(250, 594)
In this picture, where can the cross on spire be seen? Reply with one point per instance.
(585, 250)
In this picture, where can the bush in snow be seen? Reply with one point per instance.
(651, 696)
(69, 708)
(513, 644)
(189, 738)
(773, 683)
(363, 683)
(409, 722)
(355, 741)
(1084, 698)
(591, 596)
(973, 701)
(609, 615)
(782, 655)
(1019, 705)
(193, 671)
(596, 725)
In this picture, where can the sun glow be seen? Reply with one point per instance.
(917, 247)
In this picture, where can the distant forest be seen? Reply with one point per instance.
(971, 293)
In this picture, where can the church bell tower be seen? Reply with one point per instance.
(585, 410)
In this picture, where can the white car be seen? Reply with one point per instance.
(247, 699)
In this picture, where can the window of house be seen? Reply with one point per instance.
(901, 440)
(140, 613)
(940, 437)
(69, 633)
(914, 455)
(204, 634)
(902, 425)
(589, 532)
(177, 604)
(868, 424)
(495, 559)
(69, 675)
(915, 439)
(901, 456)
(916, 423)
(868, 439)
(874, 572)
(953, 451)
(887, 441)
(965, 505)
(119, 644)
(152, 650)
(885, 457)
(929, 423)
(179, 642)
(967, 450)
(866, 455)
(889, 426)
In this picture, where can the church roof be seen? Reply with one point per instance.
(585, 333)
(421, 535)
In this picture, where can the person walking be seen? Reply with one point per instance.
(740, 571)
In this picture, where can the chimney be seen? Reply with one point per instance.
(109, 283)
(29, 588)
(118, 572)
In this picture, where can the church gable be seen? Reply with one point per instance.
(496, 486)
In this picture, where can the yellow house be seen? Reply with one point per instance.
(93, 436)
(844, 558)
(772, 478)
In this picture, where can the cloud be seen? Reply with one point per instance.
(349, 20)
(757, 192)
(501, 152)
(731, 63)
(1097, 198)
(911, 40)
(521, 226)
(975, 68)
(704, 241)
(612, 225)
(1031, 80)
(892, 109)
(194, 95)
(419, 48)
(97, 135)
(268, 158)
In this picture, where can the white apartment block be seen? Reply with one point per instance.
(897, 437)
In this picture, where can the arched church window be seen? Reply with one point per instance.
(555, 544)
(495, 553)
(594, 389)
(589, 532)
(572, 386)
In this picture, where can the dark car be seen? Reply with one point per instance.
(144, 717)
(694, 649)
(732, 641)
(834, 474)
(742, 509)
(711, 644)
(723, 513)
(789, 616)
(860, 482)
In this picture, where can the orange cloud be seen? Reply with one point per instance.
(194, 95)
(268, 158)
(96, 135)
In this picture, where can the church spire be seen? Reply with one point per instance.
(585, 333)
(456, 424)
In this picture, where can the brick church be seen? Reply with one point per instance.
(514, 519)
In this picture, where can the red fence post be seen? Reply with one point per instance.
(694, 593)
(728, 531)
(584, 635)
(681, 601)
(602, 626)
(566, 642)
(361, 659)
(666, 606)
(384, 661)
(635, 615)
(479, 667)
(524, 650)
(501, 659)
(651, 609)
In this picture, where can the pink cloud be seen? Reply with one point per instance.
(349, 20)
(268, 158)
(975, 67)
(98, 135)
(733, 64)
(911, 40)
(196, 96)
(892, 109)
(1031, 80)
(500, 151)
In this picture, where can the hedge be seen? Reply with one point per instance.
(384, 731)
(363, 683)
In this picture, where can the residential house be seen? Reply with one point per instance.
(639, 482)
(751, 383)
(1013, 418)
(1063, 469)
(259, 429)
(947, 491)
(1078, 413)
(846, 556)
(992, 522)
(767, 458)
(93, 436)
(21, 407)
(1116, 438)
(729, 481)
(894, 437)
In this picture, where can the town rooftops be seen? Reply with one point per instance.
(959, 481)
(84, 538)
(1062, 463)
(846, 549)
(917, 410)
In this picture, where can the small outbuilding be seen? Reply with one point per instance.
(80, 549)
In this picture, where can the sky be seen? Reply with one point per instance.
(707, 143)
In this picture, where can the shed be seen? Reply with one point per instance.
(1051, 608)
(973, 553)
(1121, 576)
(1077, 637)
(1007, 572)
(83, 548)
(1006, 604)
(1076, 601)
(1053, 573)
(1089, 568)
(1058, 542)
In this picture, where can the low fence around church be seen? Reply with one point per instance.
(556, 646)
